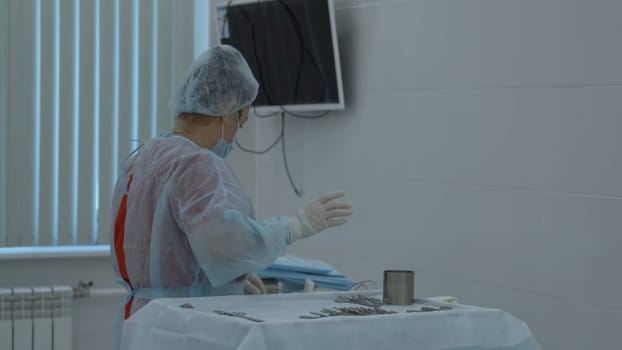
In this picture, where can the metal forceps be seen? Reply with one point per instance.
(238, 314)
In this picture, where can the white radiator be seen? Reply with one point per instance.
(37, 318)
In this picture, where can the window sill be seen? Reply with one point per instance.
(17, 253)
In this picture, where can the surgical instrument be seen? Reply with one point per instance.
(238, 314)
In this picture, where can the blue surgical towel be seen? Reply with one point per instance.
(295, 270)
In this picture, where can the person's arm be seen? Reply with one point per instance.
(225, 240)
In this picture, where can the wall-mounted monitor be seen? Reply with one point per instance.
(291, 47)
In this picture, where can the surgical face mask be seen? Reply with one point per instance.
(222, 147)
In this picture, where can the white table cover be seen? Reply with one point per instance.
(164, 324)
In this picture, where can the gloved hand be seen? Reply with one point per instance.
(318, 216)
(254, 285)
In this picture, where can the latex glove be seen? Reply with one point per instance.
(254, 285)
(319, 215)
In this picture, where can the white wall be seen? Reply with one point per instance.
(479, 147)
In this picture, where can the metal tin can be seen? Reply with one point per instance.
(398, 287)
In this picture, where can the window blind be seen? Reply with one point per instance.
(83, 81)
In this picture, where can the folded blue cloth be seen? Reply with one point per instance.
(298, 264)
(295, 270)
(338, 283)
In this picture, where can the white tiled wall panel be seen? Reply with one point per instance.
(559, 140)
(479, 147)
(536, 242)
(483, 43)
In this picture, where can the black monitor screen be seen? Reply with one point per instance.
(289, 47)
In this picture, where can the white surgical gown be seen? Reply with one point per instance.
(184, 227)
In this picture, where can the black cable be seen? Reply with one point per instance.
(303, 49)
(363, 285)
(256, 52)
(298, 192)
(224, 20)
(281, 138)
(300, 63)
(262, 151)
(298, 29)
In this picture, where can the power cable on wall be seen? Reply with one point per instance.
(289, 175)
(299, 192)
(283, 111)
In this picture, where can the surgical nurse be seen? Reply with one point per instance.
(183, 225)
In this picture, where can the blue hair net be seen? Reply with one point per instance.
(218, 83)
